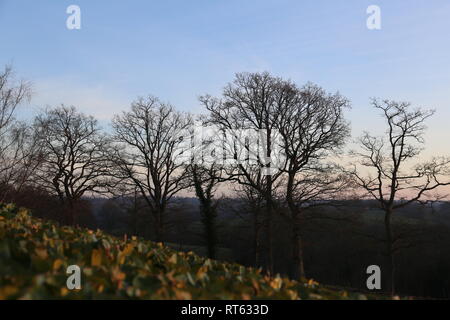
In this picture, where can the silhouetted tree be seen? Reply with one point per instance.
(385, 170)
(12, 94)
(312, 128)
(75, 159)
(251, 102)
(19, 159)
(151, 140)
(17, 148)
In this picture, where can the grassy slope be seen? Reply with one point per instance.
(34, 255)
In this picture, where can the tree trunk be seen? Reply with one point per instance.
(389, 253)
(297, 251)
(159, 225)
(209, 224)
(269, 209)
(297, 244)
(135, 213)
(256, 243)
(69, 212)
(269, 198)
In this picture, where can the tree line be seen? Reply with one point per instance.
(65, 154)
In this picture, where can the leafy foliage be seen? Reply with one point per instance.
(34, 256)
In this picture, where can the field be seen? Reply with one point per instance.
(35, 254)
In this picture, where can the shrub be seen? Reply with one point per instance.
(34, 256)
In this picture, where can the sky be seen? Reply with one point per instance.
(179, 50)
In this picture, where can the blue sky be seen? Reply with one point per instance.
(178, 50)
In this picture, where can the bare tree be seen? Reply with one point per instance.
(386, 170)
(13, 135)
(251, 102)
(152, 140)
(20, 156)
(312, 127)
(12, 94)
(75, 150)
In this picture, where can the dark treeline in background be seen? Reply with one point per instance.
(293, 207)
